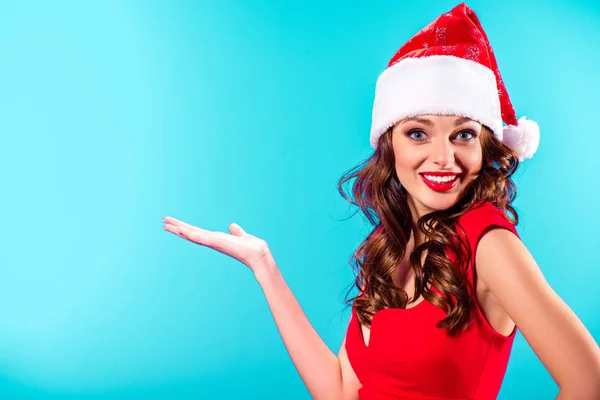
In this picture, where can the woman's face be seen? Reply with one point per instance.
(428, 146)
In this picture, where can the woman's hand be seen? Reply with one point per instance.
(252, 251)
(318, 366)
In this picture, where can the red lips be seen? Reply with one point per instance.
(440, 173)
(440, 186)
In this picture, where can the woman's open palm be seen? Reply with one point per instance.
(240, 245)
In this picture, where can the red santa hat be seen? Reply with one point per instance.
(449, 68)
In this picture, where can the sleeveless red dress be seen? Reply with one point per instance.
(408, 357)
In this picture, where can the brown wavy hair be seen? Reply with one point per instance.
(378, 194)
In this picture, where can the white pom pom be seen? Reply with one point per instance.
(523, 138)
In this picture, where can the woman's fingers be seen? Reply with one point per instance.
(219, 241)
(234, 228)
(237, 230)
(189, 232)
(216, 240)
(174, 229)
(239, 244)
(180, 224)
(176, 222)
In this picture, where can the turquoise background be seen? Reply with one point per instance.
(114, 114)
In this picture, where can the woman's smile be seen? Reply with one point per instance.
(440, 183)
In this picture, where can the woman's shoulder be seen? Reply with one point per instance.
(481, 216)
(482, 211)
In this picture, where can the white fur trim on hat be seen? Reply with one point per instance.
(440, 84)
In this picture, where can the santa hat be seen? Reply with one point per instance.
(449, 68)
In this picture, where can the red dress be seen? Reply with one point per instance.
(409, 358)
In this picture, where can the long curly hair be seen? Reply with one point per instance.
(377, 193)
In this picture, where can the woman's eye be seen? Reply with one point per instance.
(466, 135)
(416, 134)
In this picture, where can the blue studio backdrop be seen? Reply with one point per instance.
(116, 113)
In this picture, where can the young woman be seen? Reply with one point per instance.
(443, 279)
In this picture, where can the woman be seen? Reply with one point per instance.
(444, 280)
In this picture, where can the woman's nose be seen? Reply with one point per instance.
(442, 153)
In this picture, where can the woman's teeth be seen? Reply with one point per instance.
(441, 179)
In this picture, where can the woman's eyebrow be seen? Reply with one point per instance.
(429, 123)
(423, 121)
(461, 120)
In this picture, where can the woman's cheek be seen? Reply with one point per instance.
(472, 157)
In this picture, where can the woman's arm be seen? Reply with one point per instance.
(325, 375)
(553, 331)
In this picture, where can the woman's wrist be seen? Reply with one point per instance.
(266, 270)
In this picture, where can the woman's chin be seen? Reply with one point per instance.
(439, 203)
